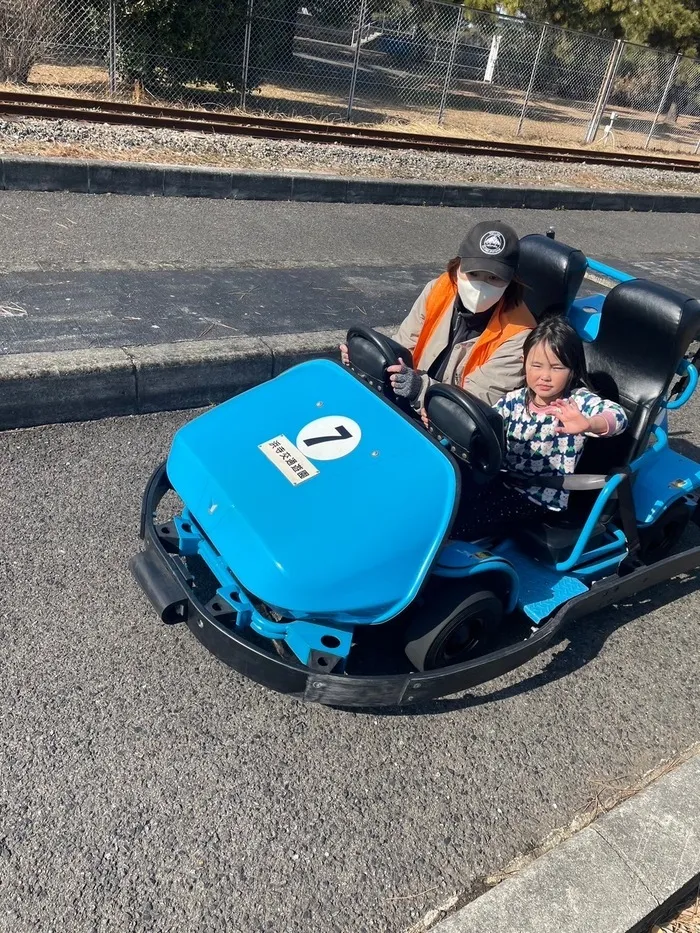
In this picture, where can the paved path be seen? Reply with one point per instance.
(146, 787)
(82, 271)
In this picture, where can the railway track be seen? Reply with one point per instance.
(46, 106)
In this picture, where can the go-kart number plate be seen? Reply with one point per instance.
(288, 459)
(329, 438)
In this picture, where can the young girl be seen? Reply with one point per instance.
(546, 424)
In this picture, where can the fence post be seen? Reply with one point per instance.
(531, 85)
(356, 59)
(450, 66)
(246, 51)
(605, 89)
(662, 102)
(112, 47)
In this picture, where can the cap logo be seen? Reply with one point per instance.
(492, 243)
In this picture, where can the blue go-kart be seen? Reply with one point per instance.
(311, 547)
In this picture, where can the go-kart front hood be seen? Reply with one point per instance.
(323, 499)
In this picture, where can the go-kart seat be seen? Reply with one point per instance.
(645, 332)
(551, 272)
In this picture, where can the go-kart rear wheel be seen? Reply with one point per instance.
(456, 619)
(659, 538)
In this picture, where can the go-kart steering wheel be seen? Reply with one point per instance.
(472, 429)
(370, 354)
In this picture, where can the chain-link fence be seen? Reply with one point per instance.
(654, 100)
(309, 71)
(494, 61)
(566, 84)
(420, 64)
(55, 44)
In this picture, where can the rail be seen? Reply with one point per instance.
(20, 104)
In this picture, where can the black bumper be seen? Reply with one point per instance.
(164, 582)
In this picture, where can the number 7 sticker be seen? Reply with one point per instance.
(329, 438)
(342, 435)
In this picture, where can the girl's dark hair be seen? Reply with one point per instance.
(513, 295)
(565, 344)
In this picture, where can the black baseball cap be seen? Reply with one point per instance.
(491, 246)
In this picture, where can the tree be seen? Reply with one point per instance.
(673, 25)
(167, 43)
(272, 38)
(570, 14)
(662, 24)
(25, 26)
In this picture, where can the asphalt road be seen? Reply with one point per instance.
(146, 787)
(80, 271)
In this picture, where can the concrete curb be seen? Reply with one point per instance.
(619, 875)
(81, 385)
(93, 177)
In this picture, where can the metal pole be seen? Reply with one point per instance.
(356, 60)
(112, 47)
(450, 66)
(246, 51)
(662, 102)
(532, 78)
(605, 89)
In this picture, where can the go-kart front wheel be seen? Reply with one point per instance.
(456, 619)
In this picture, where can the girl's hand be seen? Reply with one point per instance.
(344, 355)
(571, 419)
(424, 417)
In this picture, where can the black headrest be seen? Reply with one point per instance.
(552, 273)
(645, 331)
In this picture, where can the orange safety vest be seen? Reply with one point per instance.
(501, 327)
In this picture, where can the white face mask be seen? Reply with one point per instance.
(478, 296)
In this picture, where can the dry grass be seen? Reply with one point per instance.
(69, 76)
(547, 122)
(684, 919)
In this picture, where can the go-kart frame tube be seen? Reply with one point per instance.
(609, 271)
(165, 583)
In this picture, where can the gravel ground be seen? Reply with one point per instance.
(89, 140)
